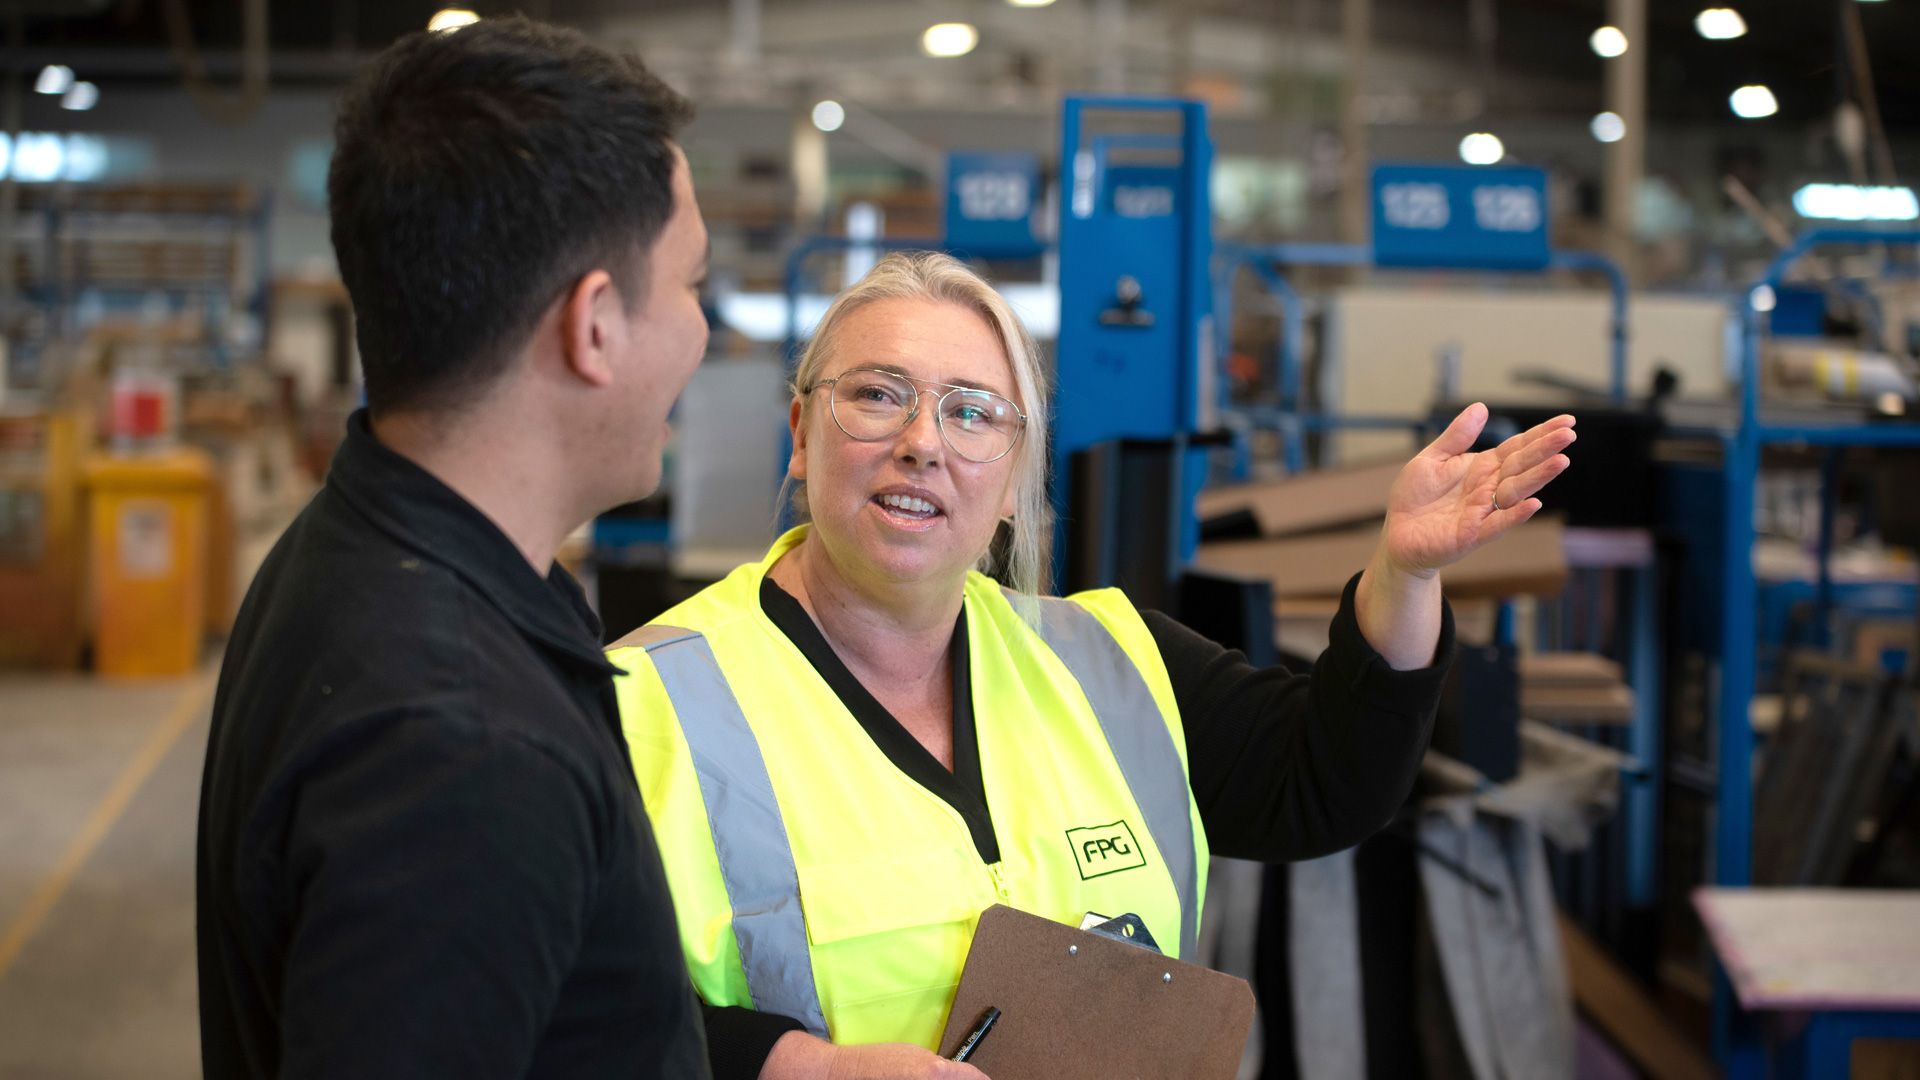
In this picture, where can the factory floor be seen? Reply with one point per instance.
(99, 790)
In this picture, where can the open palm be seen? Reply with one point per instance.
(1450, 500)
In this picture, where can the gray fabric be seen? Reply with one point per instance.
(749, 835)
(1323, 934)
(1499, 956)
(1229, 936)
(1141, 744)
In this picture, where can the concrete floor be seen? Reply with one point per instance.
(105, 985)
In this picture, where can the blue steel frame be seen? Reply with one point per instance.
(793, 277)
(1736, 1033)
(1292, 423)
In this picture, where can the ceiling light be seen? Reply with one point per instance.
(80, 97)
(1029, 3)
(950, 39)
(1608, 127)
(1719, 24)
(1753, 102)
(828, 116)
(1853, 202)
(1608, 41)
(54, 79)
(1481, 148)
(451, 19)
(1762, 298)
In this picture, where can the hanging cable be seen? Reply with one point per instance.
(221, 109)
(1863, 90)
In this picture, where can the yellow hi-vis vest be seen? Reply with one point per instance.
(812, 878)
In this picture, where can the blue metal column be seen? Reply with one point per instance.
(1136, 346)
(1733, 840)
(1642, 803)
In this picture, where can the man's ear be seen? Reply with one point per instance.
(796, 427)
(592, 320)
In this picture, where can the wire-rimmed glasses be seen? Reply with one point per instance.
(871, 405)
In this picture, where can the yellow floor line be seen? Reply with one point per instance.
(114, 803)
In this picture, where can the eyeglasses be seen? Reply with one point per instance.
(870, 405)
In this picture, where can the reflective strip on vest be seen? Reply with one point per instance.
(749, 835)
(1141, 744)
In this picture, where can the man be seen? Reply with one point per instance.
(422, 853)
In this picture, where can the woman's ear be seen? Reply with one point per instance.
(796, 427)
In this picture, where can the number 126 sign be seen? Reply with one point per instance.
(1460, 216)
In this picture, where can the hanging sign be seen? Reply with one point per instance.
(1466, 216)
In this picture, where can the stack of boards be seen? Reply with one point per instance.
(1308, 534)
(1574, 688)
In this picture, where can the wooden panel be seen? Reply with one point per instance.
(1625, 1013)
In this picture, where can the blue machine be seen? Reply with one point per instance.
(1135, 352)
(992, 198)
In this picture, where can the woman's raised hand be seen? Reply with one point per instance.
(1450, 500)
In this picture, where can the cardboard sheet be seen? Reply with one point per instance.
(1081, 1006)
(1528, 559)
(1314, 500)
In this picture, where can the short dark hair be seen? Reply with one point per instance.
(477, 174)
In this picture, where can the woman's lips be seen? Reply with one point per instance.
(907, 512)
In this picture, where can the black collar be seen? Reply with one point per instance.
(413, 507)
(965, 787)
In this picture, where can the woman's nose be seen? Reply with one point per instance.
(920, 439)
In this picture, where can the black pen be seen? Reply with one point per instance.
(980, 1029)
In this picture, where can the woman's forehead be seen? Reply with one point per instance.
(937, 342)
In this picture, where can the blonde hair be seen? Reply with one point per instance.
(929, 275)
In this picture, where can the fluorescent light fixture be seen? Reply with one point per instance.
(1854, 202)
(1753, 102)
(39, 157)
(1608, 127)
(54, 79)
(1029, 3)
(1481, 148)
(1720, 24)
(1608, 41)
(87, 157)
(451, 19)
(828, 116)
(80, 97)
(1761, 298)
(949, 39)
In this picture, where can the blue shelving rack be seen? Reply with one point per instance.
(1735, 1042)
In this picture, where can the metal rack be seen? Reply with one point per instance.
(1736, 1041)
(200, 246)
(1288, 418)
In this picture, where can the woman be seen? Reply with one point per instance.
(853, 747)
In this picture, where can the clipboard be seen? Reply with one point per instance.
(1078, 1005)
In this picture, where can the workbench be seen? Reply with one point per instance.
(1813, 970)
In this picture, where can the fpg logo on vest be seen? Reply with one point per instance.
(1099, 850)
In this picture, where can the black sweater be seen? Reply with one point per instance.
(422, 851)
(1282, 766)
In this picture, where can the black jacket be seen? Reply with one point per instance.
(422, 852)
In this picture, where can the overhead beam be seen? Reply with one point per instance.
(1626, 157)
